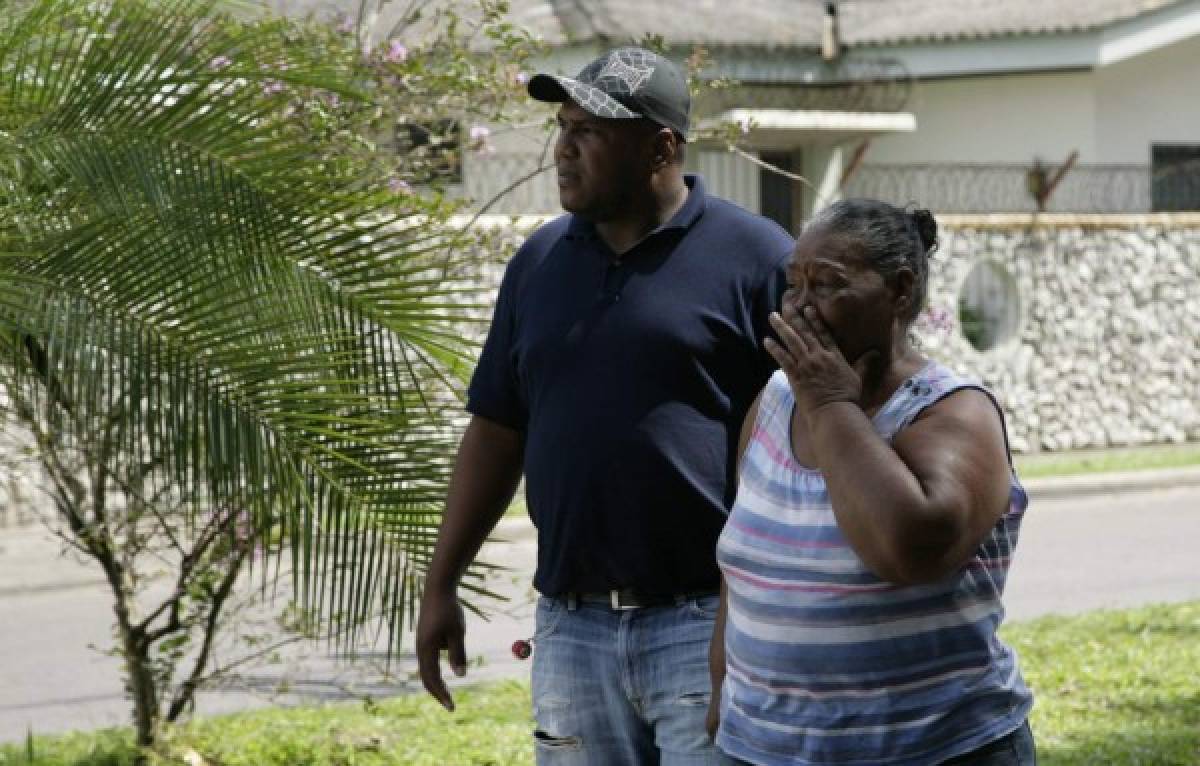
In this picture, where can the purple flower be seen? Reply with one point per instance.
(220, 62)
(396, 52)
(271, 87)
(935, 320)
(345, 24)
(398, 186)
(479, 135)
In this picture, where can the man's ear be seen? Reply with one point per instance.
(666, 148)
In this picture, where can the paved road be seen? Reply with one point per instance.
(1109, 550)
(1076, 554)
(54, 676)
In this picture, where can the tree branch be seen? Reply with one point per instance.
(186, 693)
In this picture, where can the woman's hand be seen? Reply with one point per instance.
(815, 367)
(712, 720)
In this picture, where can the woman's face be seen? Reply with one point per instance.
(829, 273)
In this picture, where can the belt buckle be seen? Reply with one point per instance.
(614, 597)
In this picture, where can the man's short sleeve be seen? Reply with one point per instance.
(494, 392)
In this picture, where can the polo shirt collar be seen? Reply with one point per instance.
(688, 214)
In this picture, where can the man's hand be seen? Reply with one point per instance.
(486, 473)
(440, 626)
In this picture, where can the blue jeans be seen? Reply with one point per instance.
(614, 688)
(1015, 749)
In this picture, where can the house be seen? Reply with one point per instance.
(1058, 141)
(1079, 120)
(962, 106)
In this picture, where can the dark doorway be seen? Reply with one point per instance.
(776, 196)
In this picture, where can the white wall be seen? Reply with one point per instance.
(1153, 98)
(1008, 119)
(1111, 114)
(726, 175)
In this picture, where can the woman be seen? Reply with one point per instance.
(876, 515)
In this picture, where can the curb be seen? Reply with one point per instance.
(1112, 483)
(519, 528)
(33, 561)
(50, 587)
(514, 528)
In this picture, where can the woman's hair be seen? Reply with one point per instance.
(892, 238)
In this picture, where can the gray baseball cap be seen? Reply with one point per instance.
(623, 84)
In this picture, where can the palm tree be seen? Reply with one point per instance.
(213, 322)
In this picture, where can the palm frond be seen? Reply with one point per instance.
(275, 333)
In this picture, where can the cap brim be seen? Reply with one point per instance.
(556, 89)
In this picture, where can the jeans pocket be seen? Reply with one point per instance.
(704, 607)
(549, 613)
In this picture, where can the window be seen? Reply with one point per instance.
(1175, 177)
(989, 306)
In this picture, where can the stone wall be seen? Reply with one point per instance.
(1102, 339)
(1102, 346)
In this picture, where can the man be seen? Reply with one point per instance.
(624, 352)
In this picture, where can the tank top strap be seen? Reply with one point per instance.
(927, 387)
(775, 408)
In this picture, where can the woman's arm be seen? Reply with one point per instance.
(716, 668)
(716, 646)
(913, 510)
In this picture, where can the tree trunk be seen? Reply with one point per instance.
(139, 679)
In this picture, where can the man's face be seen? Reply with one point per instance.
(603, 165)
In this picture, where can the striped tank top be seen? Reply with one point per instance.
(826, 663)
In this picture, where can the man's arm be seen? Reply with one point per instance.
(486, 473)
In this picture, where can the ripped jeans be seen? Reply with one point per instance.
(623, 688)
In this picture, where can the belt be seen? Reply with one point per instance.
(620, 599)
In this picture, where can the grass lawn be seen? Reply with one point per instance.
(1114, 687)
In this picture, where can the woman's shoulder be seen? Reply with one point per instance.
(776, 393)
(775, 397)
(924, 391)
(939, 375)
(934, 381)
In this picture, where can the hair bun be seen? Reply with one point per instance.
(926, 227)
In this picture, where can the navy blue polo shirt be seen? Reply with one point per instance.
(629, 379)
